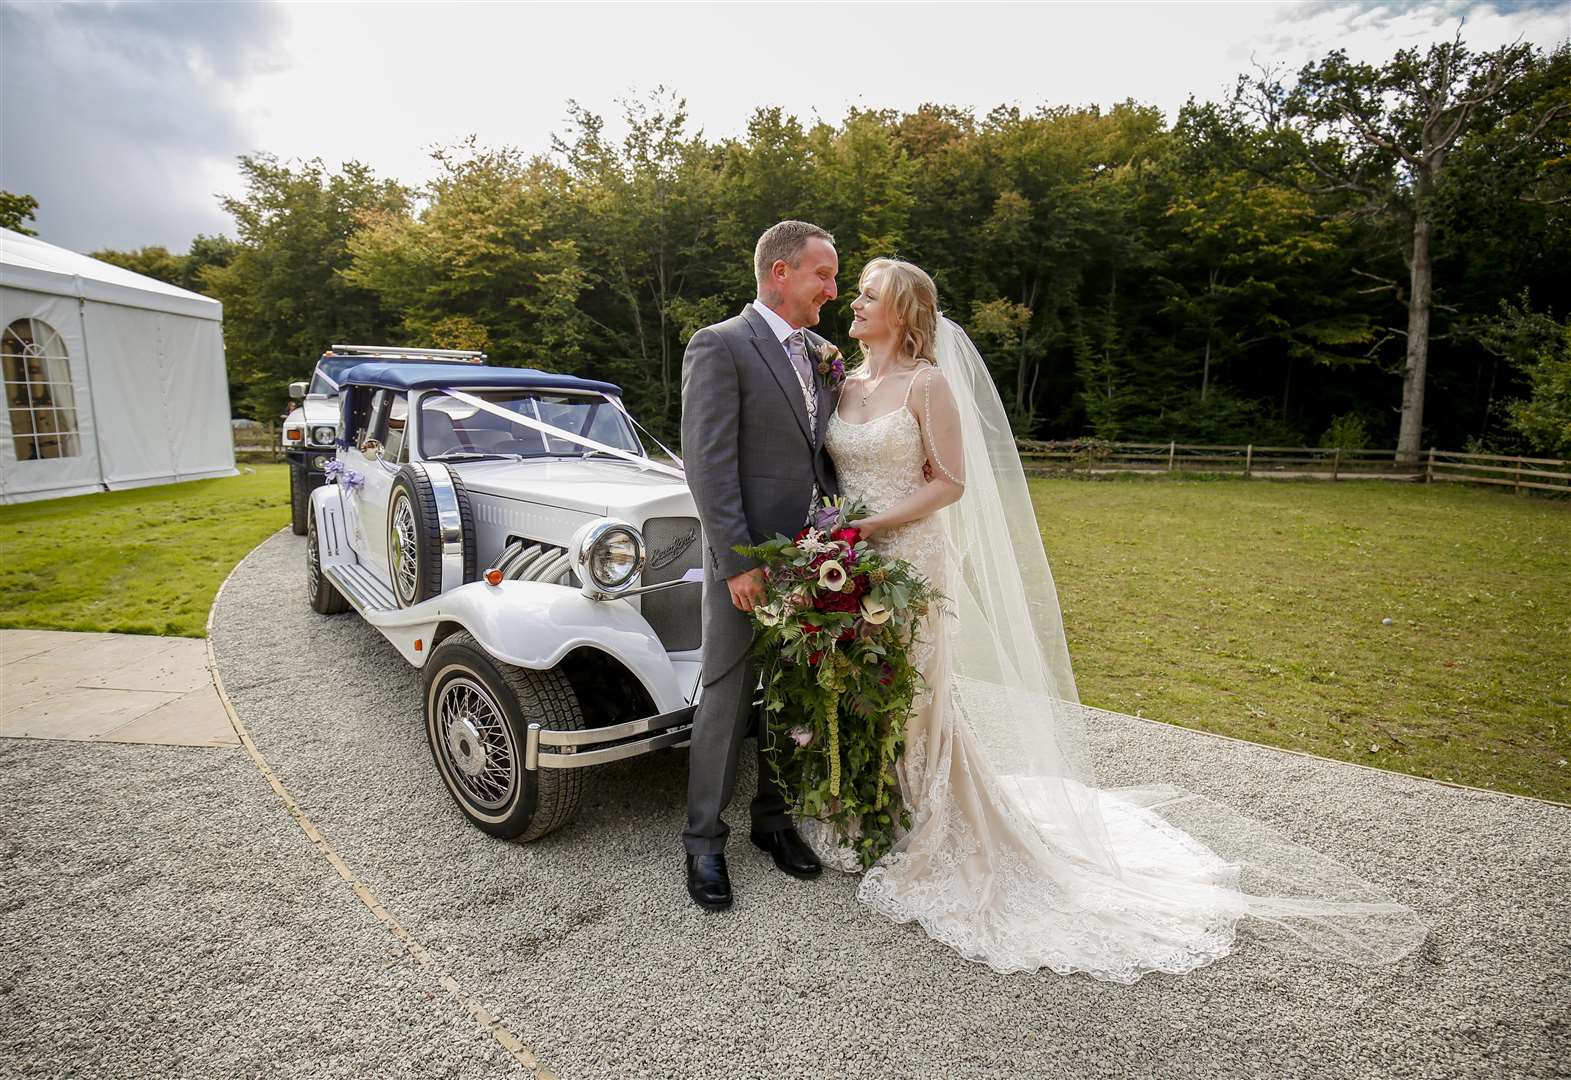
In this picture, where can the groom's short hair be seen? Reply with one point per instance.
(784, 240)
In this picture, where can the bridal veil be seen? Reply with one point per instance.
(1034, 866)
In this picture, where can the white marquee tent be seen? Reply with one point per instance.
(112, 379)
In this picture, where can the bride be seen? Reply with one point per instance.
(1014, 859)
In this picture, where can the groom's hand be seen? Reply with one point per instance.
(747, 588)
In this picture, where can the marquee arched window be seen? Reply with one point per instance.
(38, 391)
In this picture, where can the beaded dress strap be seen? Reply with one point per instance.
(910, 386)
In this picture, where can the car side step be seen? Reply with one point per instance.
(361, 588)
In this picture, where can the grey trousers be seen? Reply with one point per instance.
(718, 728)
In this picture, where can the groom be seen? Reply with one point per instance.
(754, 408)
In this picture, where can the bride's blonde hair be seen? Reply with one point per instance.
(911, 299)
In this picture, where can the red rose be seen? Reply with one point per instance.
(814, 658)
(848, 534)
(861, 586)
(801, 535)
(837, 601)
(848, 634)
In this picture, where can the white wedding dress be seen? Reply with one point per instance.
(1013, 858)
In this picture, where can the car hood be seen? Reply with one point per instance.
(605, 488)
(320, 410)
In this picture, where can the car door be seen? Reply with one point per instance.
(382, 451)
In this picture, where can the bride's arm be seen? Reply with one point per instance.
(939, 420)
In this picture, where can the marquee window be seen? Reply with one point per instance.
(38, 391)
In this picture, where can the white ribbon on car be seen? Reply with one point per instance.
(623, 409)
(562, 433)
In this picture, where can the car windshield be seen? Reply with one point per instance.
(325, 379)
(457, 428)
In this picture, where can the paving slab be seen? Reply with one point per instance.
(20, 644)
(76, 686)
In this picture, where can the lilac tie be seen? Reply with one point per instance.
(796, 349)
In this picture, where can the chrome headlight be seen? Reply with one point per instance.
(324, 435)
(608, 555)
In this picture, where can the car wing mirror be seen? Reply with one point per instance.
(371, 448)
(298, 389)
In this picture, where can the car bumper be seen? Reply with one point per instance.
(548, 749)
(312, 461)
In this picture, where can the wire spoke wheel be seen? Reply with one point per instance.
(319, 591)
(475, 743)
(313, 562)
(403, 548)
(478, 712)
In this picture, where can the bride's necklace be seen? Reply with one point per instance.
(872, 384)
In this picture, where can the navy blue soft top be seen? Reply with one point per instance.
(406, 376)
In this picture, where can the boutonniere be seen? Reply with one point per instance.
(831, 366)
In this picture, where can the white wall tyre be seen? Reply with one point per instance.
(477, 714)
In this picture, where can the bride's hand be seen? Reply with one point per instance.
(868, 526)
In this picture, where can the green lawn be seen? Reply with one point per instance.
(1254, 609)
(144, 561)
(1249, 608)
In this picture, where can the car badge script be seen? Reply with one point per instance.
(667, 555)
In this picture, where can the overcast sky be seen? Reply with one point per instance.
(124, 120)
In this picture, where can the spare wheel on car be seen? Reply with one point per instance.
(430, 533)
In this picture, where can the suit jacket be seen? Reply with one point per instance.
(751, 460)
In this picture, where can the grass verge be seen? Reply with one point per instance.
(143, 561)
(1255, 609)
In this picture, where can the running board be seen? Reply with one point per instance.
(361, 588)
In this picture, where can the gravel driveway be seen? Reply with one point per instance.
(585, 946)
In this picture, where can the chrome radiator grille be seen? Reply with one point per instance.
(673, 545)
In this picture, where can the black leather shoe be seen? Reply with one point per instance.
(708, 882)
(790, 852)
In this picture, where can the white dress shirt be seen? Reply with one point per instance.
(781, 328)
(803, 366)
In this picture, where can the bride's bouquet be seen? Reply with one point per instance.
(833, 639)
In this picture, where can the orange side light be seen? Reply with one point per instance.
(493, 576)
(295, 435)
(419, 644)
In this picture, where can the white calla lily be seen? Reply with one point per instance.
(873, 612)
(831, 576)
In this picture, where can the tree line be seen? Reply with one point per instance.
(1358, 255)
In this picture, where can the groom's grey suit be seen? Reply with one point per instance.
(752, 460)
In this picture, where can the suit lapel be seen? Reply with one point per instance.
(779, 364)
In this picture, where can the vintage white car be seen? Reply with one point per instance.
(509, 534)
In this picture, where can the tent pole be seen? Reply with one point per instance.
(92, 398)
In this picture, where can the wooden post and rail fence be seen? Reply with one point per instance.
(258, 443)
(1093, 457)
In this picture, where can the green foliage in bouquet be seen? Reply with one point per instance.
(834, 637)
